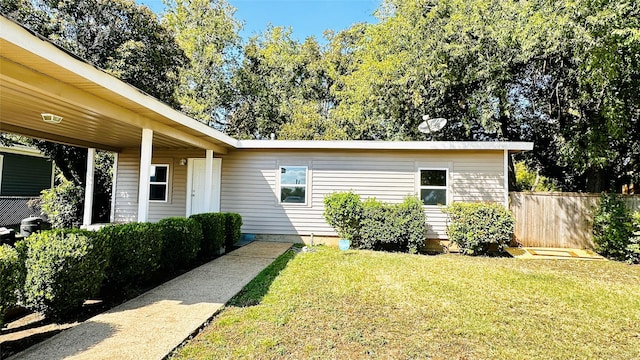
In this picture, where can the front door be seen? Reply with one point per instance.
(195, 186)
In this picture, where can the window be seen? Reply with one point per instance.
(433, 187)
(293, 184)
(159, 183)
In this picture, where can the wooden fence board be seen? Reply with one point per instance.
(562, 220)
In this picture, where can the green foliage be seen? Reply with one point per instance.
(612, 227)
(213, 233)
(633, 249)
(375, 225)
(477, 227)
(63, 268)
(181, 240)
(135, 255)
(204, 88)
(344, 212)
(413, 222)
(11, 278)
(529, 180)
(393, 227)
(232, 228)
(279, 80)
(63, 204)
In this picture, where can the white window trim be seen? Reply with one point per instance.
(166, 183)
(306, 186)
(447, 187)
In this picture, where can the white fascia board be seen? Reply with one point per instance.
(384, 145)
(19, 36)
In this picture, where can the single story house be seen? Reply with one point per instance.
(168, 164)
(24, 173)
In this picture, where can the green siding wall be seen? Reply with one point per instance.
(24, 175)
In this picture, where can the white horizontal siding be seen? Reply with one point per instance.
(250, 178)
(126, 191)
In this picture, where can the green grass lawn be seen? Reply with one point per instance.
(362, 304)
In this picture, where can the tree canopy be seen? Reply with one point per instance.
(563, 74)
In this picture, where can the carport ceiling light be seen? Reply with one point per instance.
(51, 118)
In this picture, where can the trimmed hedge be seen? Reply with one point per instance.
(11, 278)
(233, 231)
(135, 254)
(181, 239)
(393, 227)
(213, 233)
(63, 268)
(476, 227)
(343, 211)
(375, 225)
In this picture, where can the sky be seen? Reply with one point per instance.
(305, 17)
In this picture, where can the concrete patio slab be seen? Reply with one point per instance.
(156, 322)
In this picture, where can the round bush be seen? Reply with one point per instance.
(11, 278)
(213, 233)
(475, 227)
(62, 270)
(343, 212)
(181, 239)
(135, 254)
(233, 228)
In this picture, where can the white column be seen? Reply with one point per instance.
(88, 190)
(506, 178)
(112, 217)
(208, 179)
(146, 150)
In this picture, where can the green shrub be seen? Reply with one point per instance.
(63, 204)
(612, 227)
(233, 228)
(379, 227)
(63, 268)
(181, 239)
(413, 223)
(343, 211)
(633, 249)
(11, 278)
(475, 227)
(135, 254)
(213, 233)
(393, 227)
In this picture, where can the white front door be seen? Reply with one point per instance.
(195, 186)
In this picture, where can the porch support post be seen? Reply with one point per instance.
(506, 178)
(88, 190)
(114, 187)
(208, 179)
(146, 150)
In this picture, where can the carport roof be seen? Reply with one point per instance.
(99, 110)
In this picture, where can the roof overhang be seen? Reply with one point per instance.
(98, 110)
(512, 147)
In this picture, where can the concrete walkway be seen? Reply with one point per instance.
(156, 322)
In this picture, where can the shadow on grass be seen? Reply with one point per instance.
(253, 293)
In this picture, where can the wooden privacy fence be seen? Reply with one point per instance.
(562, 220)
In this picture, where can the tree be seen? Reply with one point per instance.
(208, 34)
(119, 36)
(279, 81)
(562, 74)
